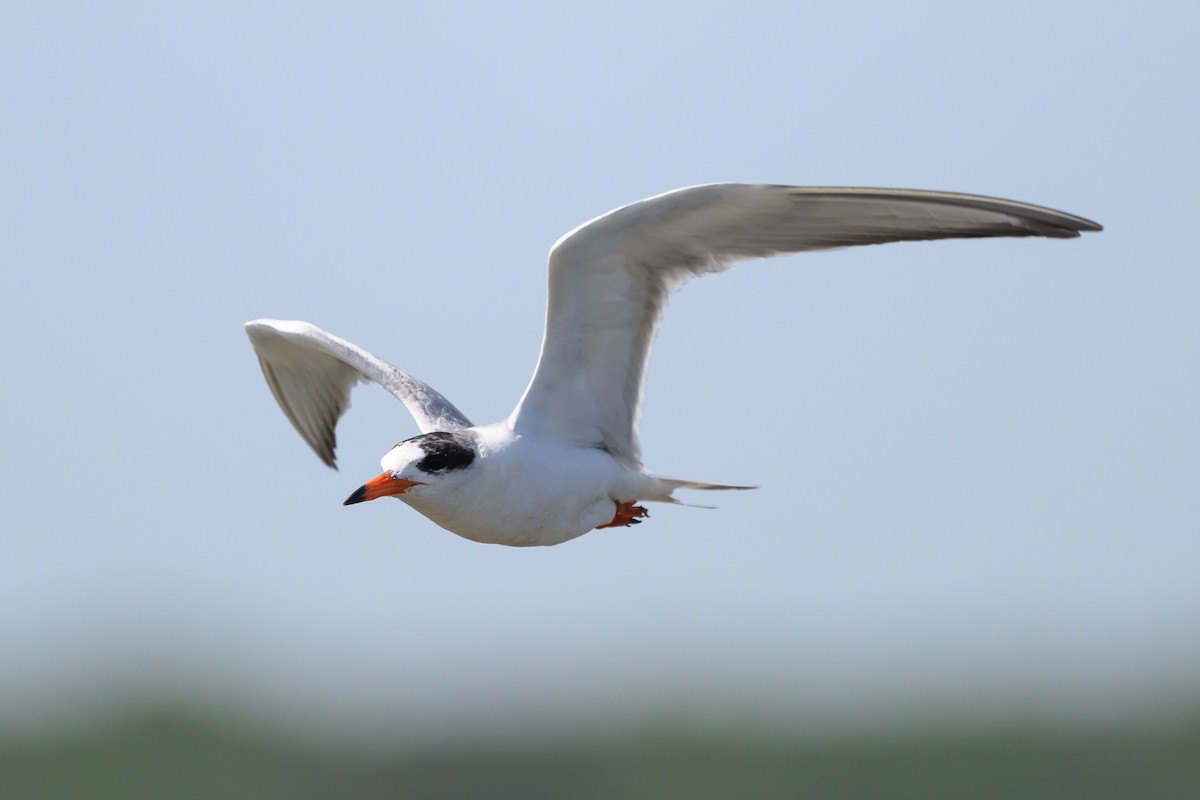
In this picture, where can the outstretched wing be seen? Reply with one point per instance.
(610, 279)
(311, 372)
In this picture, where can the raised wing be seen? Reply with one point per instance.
(610, 279)
(311, 372)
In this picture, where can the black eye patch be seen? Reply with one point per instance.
(444, 451)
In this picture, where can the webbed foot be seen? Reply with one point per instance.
(627, 514)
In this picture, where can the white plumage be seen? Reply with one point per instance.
(567, 459)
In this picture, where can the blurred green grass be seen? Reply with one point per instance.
(182, 756)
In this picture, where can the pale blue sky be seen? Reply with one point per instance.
(978, 460)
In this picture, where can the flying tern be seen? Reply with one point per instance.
(566, 460)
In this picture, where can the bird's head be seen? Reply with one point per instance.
(430, 459)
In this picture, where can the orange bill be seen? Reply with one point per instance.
(380, 486)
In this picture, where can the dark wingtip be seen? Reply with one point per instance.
(359, 495)
(1084, 225)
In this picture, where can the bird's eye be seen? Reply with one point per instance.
(442, 461)
(444, 452)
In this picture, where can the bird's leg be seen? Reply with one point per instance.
(627, 514)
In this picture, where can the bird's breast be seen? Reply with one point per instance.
(530, 492)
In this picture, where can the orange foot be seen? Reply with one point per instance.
(627, 514)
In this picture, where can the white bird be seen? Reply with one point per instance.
(566, 460)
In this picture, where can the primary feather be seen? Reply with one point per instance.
(311, 373)
(610, 279)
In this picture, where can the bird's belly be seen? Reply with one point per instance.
(534, 501)
(545, 524)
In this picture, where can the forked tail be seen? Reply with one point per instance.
(669, 485)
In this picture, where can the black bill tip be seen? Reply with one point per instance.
(360, 494)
